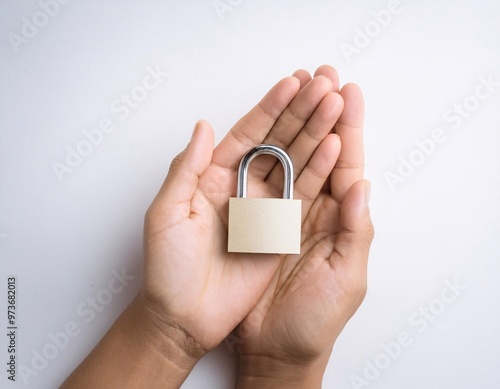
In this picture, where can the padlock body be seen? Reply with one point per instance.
(264, 225)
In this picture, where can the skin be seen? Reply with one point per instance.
(288, 309)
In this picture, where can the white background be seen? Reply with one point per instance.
(63, 239)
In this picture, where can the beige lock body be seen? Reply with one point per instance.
(263, 225)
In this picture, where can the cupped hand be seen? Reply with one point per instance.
(191, 283)
(312, 295)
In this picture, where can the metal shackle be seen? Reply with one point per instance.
(270, 150)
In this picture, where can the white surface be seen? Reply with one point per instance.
(63, 239)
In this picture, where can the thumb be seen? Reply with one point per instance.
(354, 241)
(186, 168)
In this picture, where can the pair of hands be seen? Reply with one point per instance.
(285, 310)
(290, 309)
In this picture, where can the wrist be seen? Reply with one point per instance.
(264, 371)
(138, 351)
(172, 343)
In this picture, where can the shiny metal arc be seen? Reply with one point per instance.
(275, 151)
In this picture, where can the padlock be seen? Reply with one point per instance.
(264, 225)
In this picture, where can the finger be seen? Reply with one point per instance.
(329, 72)
(303, 76)
(179, 187)
(350, 165)
(291, 122)
(253, 128)
(298, 151)
(353, 241)
(312, 134)
(298, 112)
(316, 172)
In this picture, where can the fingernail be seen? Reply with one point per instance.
(368, 191)
(196, 126)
